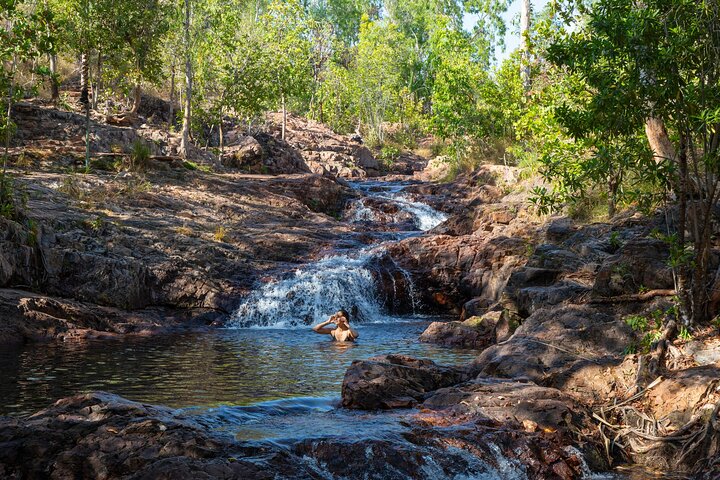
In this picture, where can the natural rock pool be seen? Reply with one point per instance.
(204, 370)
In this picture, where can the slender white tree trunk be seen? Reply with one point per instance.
(185, 141)
(284, 117)
(525, 10)
(172, 97)
(85, 100)
(98, 82)
(54, 87)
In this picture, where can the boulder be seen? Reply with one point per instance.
(475, 332)
(511, 402)
(641, 263)
(457, 334)
(365, 159)
(394, 381)
(244, 152)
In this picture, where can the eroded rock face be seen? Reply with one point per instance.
(641, 263)
(450, 270)
(183, 241)
(554, 345)
(308, 147)
(394, 381)
(29, 317)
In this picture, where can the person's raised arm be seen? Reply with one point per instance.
(320, 327)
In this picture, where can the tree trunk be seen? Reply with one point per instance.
(612, 197)
(185, 141)
(684, 280)
(54, 83)
(11, 94)
(98, 82)
(85, 101)
(659, 140)
(171, 113)
(222, 140)
(137, 96)
(525, 9)
(84, 80)
(284, 116)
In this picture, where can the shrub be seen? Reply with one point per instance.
(220, 234)
(140, 155)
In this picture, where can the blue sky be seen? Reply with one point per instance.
(512, 20)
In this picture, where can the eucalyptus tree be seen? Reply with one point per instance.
(384, 58)
(286, 34)
(138, 28)
(233, 65)
(187, 55)
(80, 32)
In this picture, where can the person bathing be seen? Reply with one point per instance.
(342, 331)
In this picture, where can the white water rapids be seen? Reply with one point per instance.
(315, 291)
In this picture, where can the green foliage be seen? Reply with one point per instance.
(388, 155)
(194, 166)
(684, 333)
(7, 196)
(638, 323)
(649, 326)
(140, 155)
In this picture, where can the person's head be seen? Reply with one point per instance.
(343, 317)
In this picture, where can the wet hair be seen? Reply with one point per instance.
(345, 313)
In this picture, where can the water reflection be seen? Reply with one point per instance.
(228, 367)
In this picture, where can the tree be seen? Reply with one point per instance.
(24, 38)
(187, 52)
(135, 30)
(384, 57)
(286, 34)
(658, 68)
(456, 89)
(525, 12)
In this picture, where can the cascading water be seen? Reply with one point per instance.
(423, 216)
(315, 291)
(426, 217)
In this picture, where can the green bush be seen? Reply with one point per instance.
(140, 155)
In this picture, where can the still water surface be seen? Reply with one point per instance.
(205, 370)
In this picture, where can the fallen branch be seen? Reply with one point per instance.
(561, 349)
(636, 396)
(637, 297)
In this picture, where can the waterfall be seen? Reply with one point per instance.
(426, 217)
(315, 291)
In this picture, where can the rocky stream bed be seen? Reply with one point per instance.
(555, 384)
